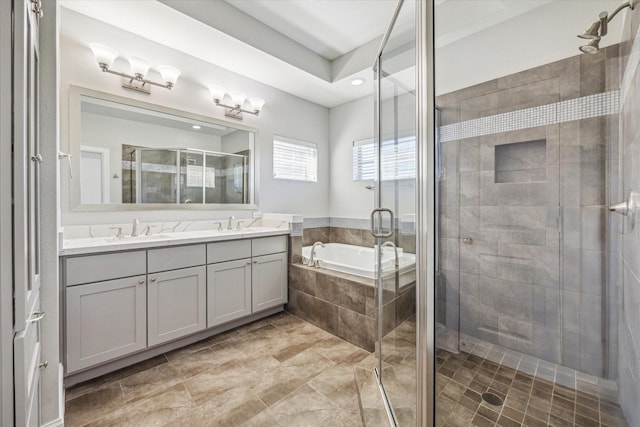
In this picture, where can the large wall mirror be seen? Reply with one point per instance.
(133, 155)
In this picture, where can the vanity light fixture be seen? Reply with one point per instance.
(236, 103)
(139, 68)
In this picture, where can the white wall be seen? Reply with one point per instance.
(283, 114)
(353, 121)
(349, 122)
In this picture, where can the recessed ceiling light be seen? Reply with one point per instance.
(357, 81)
(196, 126)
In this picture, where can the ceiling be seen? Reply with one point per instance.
(314, 48)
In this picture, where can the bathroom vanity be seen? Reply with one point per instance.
(130, 299)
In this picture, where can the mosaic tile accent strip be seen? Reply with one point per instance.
(316, 222)
(357, 223)
(586, 107)
(296, 228)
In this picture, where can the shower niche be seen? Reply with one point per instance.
(521, 162)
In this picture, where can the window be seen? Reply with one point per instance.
(398, 159)
(296, 160)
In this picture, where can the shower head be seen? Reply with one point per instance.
(591, 32)
(592, 47)
(599, 28)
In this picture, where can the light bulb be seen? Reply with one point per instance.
(104, 55)
(217, 93)
(139, 66)
(257, 104)
(237, 98)
(169, 75)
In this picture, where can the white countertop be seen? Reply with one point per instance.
(91, 245)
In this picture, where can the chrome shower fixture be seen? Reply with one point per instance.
(599, 28)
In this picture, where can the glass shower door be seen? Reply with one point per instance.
(394, 219)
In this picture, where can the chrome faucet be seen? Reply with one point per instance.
(134, 228)
(395, 249)
(230, 223)
(312, 256)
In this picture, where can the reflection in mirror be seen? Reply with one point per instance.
(139, 156)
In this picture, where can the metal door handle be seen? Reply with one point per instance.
(36, 316)
(380, 233)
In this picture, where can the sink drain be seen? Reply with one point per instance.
(492, 399)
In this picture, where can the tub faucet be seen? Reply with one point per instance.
(230, 223)
(395, 249)
(312, 260)
(134, 228)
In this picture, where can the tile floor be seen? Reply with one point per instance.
(283, 371)
(279, 371)
(528, 401)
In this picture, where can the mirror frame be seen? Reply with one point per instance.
(75, 125)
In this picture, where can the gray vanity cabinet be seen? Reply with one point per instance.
(176, 303)
(269, 272)
(176, 293)
(105, 320)
(269, 281)
(229, 291)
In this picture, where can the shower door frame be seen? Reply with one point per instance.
(426, 250)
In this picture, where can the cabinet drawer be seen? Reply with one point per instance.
(228, 251)
(268, 245)
(176, 257)
(95, 268)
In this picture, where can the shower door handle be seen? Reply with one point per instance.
(379, 231)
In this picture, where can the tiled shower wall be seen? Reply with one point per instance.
(533, 273)
(629, 249)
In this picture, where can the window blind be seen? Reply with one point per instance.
(398, 159)
(295, 160)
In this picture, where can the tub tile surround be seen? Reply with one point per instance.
(519, 284)
(344, 304)
(280, 370)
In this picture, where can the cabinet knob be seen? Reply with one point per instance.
(140, 282)
(248, 262)
(255, 261)
(153, 280)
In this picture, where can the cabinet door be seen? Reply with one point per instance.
(269, 281)
(177, 304)
(229, 291)
(105, 320)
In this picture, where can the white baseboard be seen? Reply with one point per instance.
(59, 422)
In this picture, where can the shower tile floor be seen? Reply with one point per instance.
(279, 371)
(528, 401)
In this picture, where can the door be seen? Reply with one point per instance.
(394, 219)
(94, 170)
(228, 291)
(269, 281)
(26, 213)
(105, 320)
(176, 303)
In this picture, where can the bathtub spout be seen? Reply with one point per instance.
(312, 262)
(395, 249)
